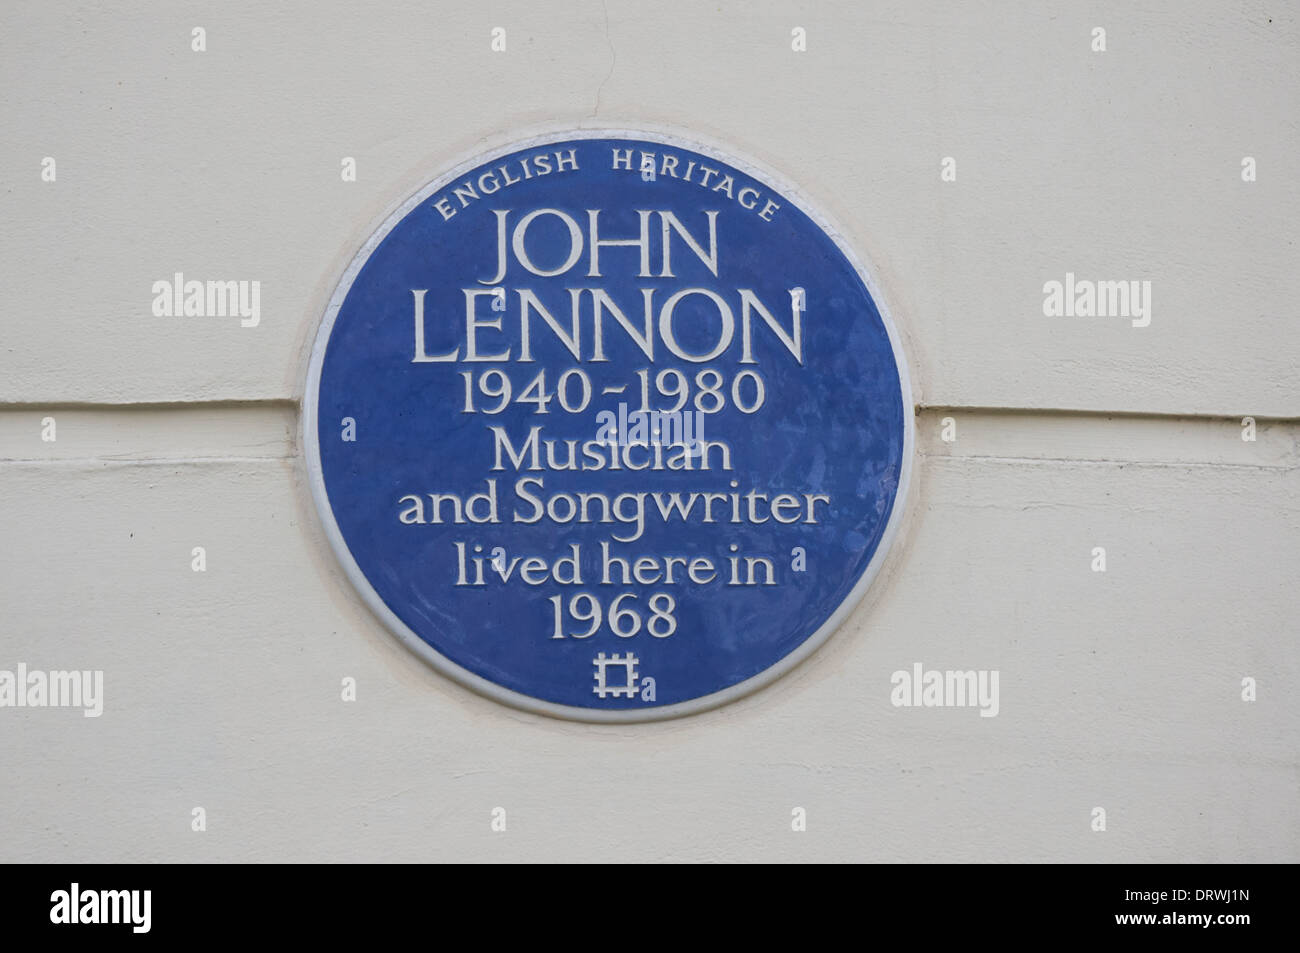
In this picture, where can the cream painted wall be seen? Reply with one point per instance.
(1120, 690)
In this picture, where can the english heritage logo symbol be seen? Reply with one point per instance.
(466, 424)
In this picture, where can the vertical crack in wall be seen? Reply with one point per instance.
(613, 59)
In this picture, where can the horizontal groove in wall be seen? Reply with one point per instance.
(1047, 436)
(257, 430)
(152, 432)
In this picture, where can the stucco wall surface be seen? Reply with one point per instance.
(1120, 689)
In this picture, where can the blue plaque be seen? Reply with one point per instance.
(608, 425)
